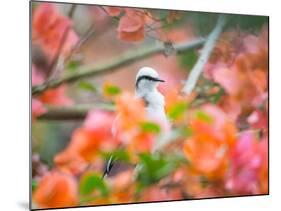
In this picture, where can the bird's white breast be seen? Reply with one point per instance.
(156, 108)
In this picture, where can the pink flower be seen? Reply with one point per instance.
(37, 77)
(245, 166)
(258, 119)
(37, 108)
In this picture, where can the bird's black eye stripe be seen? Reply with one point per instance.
(147, 77)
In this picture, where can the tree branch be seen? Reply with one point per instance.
(205, 54)
(77, 112)
(171, 136)
(110, 66)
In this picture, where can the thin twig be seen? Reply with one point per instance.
(110, 66)
(205, 54)
(58, 52)
(61, 44)
(81, 42)
(71, 11)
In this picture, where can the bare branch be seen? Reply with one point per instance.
(77, 112)
(112, 65)
(205, 54)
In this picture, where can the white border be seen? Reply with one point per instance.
(14, 116)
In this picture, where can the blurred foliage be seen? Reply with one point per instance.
(150, 127)
(86, 86)
(34, 184)
(153, 167)
(248, 22)
(51, 138)
(73, 65)
(187, 59)
(177, 110)
(119, 154)
(111, 90)
(91, 182)
(201, 115)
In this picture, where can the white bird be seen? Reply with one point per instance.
(147, 80)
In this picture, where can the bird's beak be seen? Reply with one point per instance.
(159, 80)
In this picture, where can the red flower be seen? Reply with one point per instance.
(55, 96)
(131, 26)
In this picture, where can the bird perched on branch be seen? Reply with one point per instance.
(147, 80)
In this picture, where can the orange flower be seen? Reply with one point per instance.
(86, 141)
(56, 190)
(126, 106)
(140, 143)
(123, 187)
(207, 148)
(70, 162)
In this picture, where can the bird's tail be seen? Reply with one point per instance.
(108, 166)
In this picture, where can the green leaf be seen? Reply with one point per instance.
(84, 85)
(91, 182)
(73, 65)
(184, 131)
(201, 115)
(216, 97)
(177, 110)
(34, 184)
(187, 59)
(112, 90)
(150, 127)
(120, 155)
(154, 167)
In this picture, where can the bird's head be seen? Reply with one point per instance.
(147, 80)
